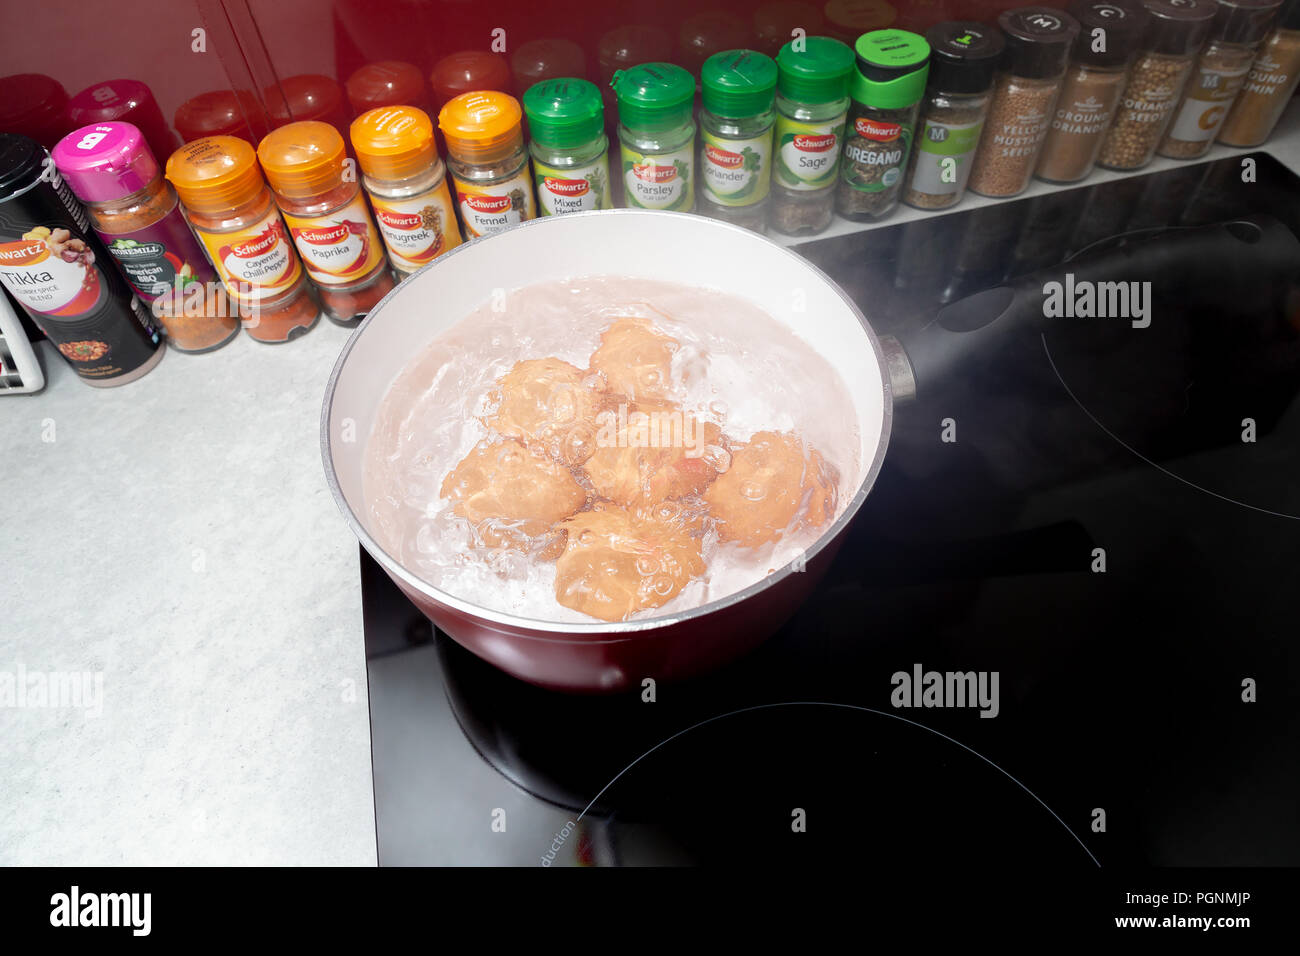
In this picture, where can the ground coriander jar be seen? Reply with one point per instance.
(1038, 41)
(736, 121)
(1239, 27)
(1098, 71)
(886, 89)
(566, 123)
(1174, 31)
(407, 185)
(489, 165)
(1269, 85)
(307, 168)
(112, 170)
(656, 134)
(963, 59)
(812, 102)
(227, 202)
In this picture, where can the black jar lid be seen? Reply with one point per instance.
(963, 56)
(1038, 40)
(1177, 27)
(1244, 21)
(1289, 18)
(1123, 21)
(21, 162)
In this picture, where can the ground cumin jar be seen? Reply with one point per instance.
(1269, 84)
(1038, 41)
(1239, 27)
(1175, 31)
(111, 169)
(307, 167)
(227, 202)
(1096, 76)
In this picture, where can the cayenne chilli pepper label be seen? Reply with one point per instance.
(944, 153)
(488, 209)
(808, 154)
(257, 262)
(573, 189)
(1206, 104)
(660, 180)
(340, 248)
(875, 154)
(417, 229)
(736, 172)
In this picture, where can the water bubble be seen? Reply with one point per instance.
(718, 409)
(752, 491)
(717, 458)
(663, 585)
(646, 566)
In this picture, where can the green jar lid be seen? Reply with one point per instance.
(564, 112)
(892, 69)
(819, 73)
(738, 83)
(654, 96)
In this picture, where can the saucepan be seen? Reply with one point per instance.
(695, 251)
(691, 250)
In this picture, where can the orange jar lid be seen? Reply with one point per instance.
(481, 126)
(394, 142)
(302, 159)
(215, 173)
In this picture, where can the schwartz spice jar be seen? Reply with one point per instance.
(738, 94)
(656, 135)
(57, 269)
(489, 165)
(407, 185)
(135, 212)
(566, 120)
(886, 89)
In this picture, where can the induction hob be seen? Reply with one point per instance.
(1114, 532)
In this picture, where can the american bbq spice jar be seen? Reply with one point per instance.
(226, 201)
(306, 166)
(1174, 32)
(1038, 41)
(1239, 27)
(963, 59)
(1269, 85)
(886, 89)
(111, 169)
(1098, 71)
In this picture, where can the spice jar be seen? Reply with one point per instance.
(489, 166)
(707, 33)
(57, 270)
(226, 201)
(570, 152)
(1029, 78)
(657, 136)
(307, 168)
(1093, 82)
(1239, 27)
(34, 105)
(221, 113)
(1174, 32)
(963, 60)
(547, 58)
(886, 90)
(775, 23)
(1269, 84)
(812, 103)
(467, 71)
(407, 185)
(134, 210)
(736, 121)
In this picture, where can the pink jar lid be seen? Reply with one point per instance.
(105, 161)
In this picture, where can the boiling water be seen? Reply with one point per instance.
(736, 367)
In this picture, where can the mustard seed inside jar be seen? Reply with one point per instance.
(1038, 43)
(1239, 27)
(1175, 31)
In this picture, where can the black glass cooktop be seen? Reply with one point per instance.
(1102, 512)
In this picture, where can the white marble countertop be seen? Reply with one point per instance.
(176, 540)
